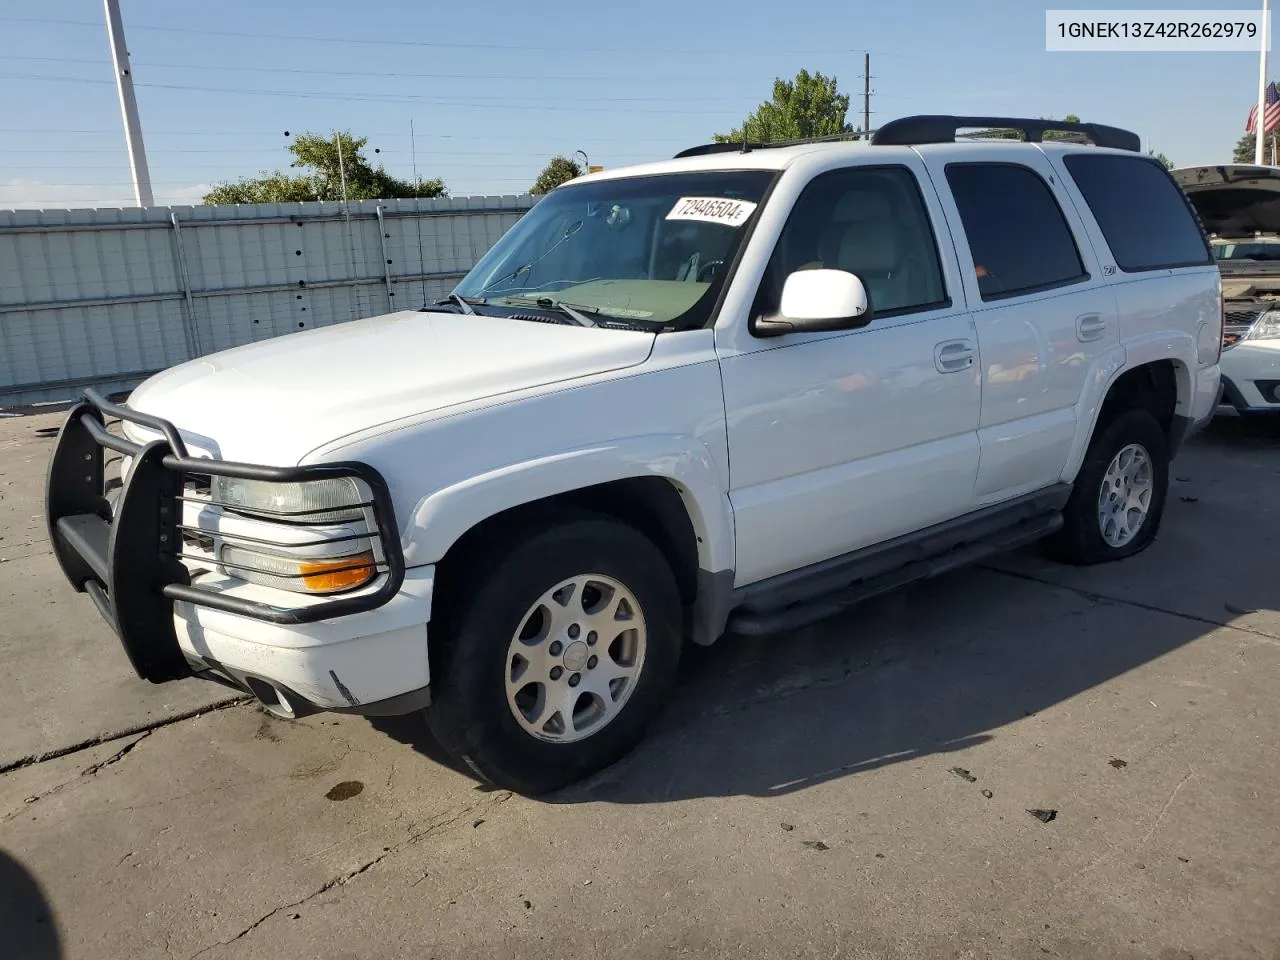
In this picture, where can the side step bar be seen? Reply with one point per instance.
(798, 600)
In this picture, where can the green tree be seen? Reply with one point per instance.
(1245, 147)
(1161, 158)
(809, 106)
(1058, 134)
(267, 187)
(996, 134)
(557, 171)
(317, 156)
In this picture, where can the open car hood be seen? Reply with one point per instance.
(1234, 200)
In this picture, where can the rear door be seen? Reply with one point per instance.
(1044, 315)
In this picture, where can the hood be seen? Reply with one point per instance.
(1234, 200)
(273, 402)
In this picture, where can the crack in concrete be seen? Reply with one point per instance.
(92, 770)
(1124, 602)
(436, 826)
(1173, 794)
(148, 727)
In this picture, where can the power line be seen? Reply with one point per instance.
(728, 49)
(575, 78)
(483, 138)
(455, 156)
(506, 103)
(504, 98)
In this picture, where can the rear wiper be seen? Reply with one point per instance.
(574, 311)
(464, 302)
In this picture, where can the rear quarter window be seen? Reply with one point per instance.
(1145, 218)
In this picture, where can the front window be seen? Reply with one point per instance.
(652, 252)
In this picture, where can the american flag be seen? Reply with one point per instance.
(1271, 115)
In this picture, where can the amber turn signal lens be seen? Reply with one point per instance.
(342, 573)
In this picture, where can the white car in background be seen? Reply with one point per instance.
(1239, 206)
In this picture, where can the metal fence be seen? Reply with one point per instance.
(107, 297)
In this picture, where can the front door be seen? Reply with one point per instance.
(841, 440)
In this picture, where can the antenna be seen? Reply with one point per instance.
(417, 212)
(356, 299)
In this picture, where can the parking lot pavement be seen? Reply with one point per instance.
(858, 789)
(66, 680)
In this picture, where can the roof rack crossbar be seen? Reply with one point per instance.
(909, 131)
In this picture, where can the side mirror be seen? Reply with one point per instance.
(819, 300)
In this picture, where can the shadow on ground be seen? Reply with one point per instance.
(1260, 431)
(943, 665)
(930, 670)
(27, 927)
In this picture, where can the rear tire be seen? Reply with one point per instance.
(521, 698)
(1118, 498)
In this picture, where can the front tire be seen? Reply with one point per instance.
(1118, 498)
(555, 661)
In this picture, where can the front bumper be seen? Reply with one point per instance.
(361, 651)
(372, 663)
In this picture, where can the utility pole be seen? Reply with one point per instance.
(1259, 130)
(128, 106)
(342, 173)
(866, 95)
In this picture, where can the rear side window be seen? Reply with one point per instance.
(1144, 217)
(1017, 234)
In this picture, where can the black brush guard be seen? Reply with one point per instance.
(129, 558)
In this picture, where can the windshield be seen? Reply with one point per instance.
(1247, 251)
(649, 250)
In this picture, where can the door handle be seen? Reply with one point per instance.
(952, 356)
(1090, 326)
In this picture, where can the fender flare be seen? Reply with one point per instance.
(1173, 345)
(441, 518)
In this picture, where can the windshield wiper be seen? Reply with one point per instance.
(464, 302)
(574, 311)
(530, 264)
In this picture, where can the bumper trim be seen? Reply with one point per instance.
(1233, 398)
(258, 687)
(127, 558)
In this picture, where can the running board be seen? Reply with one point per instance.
(757, 617)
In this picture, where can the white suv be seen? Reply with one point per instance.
(732, 392)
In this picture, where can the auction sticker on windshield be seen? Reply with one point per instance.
(731, 213)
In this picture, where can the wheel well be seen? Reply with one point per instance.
(652, 505)
(1151, 386)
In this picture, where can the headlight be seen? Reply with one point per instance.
(331, 500)
(1267, 327)
(311, 509)
(327, 575)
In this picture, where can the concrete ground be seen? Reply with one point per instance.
(859, 789)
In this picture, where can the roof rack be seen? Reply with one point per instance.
(939, 128)
(745, 147)
(909, 131)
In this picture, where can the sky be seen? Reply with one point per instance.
(495, 88)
